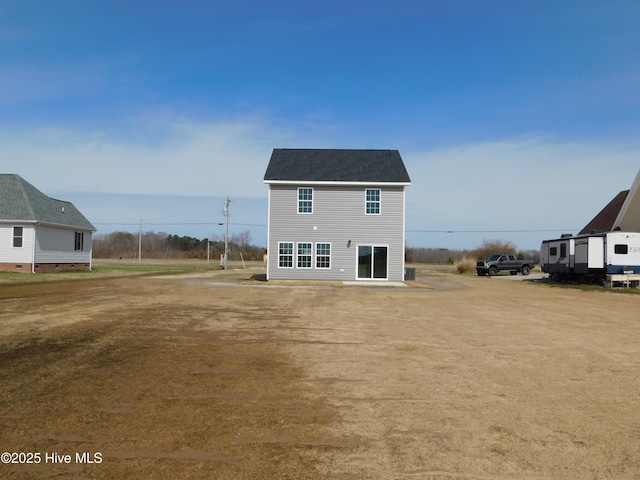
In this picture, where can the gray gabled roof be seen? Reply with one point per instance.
(22, 202)
(333, 165)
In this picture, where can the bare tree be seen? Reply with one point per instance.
(489, 247)
(242, 239)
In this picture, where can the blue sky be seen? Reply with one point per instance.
(516, 120)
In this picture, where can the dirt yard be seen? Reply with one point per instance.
(217, 375)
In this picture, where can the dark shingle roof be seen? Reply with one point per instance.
(331, 165)
(603, 221)
(21, 201)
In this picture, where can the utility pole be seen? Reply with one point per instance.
(208, 243)
(140, 243)
(227, 214)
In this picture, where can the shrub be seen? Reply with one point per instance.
(465, 265)
(489, 247)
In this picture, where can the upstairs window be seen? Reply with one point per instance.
(17, 237)
(372, 201)
(79, 246)
(305, 200)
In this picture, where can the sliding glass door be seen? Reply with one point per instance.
(372, 262)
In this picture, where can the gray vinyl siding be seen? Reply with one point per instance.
(338, 216)
(57, 245)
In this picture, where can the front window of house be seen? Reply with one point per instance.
(304, 255)
(285, 255)
(305, 200)
(372, 201)
(323, 255)
(17, 237)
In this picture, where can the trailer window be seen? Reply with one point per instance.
(553, 251)
(621, 249)
(563, 250)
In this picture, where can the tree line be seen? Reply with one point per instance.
(164, 245)
(487, 248)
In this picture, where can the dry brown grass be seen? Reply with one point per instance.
(465, 265)
(214, 374)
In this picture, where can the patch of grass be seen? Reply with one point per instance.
(100, 271)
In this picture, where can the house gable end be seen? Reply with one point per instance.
(628, 218)
(604, 220)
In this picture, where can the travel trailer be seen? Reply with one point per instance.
(592, 258)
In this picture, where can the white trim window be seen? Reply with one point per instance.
(304, 255)
(305, 200)
(79, 243)
(323, 255)
(372, 203)
(285, 255)
(18, 235)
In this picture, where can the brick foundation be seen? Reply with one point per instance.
(56, 267)
(43, 267)
(15, 267)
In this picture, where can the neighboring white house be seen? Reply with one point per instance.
(336, 214)
(39, 233)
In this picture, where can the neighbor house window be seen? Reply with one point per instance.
(305, 200)
(17, 237)
(304, 255)
(79, 241)
(373, 201)
(285, 255)
(323, 255)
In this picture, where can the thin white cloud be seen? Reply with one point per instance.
(189, 159)
(531, 182)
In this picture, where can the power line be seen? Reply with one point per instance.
(181, 223)
(408, 231)
(494, 231)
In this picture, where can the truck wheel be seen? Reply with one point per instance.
(493, 271)
(526, 270)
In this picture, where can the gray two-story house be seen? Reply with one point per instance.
(336, 214)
